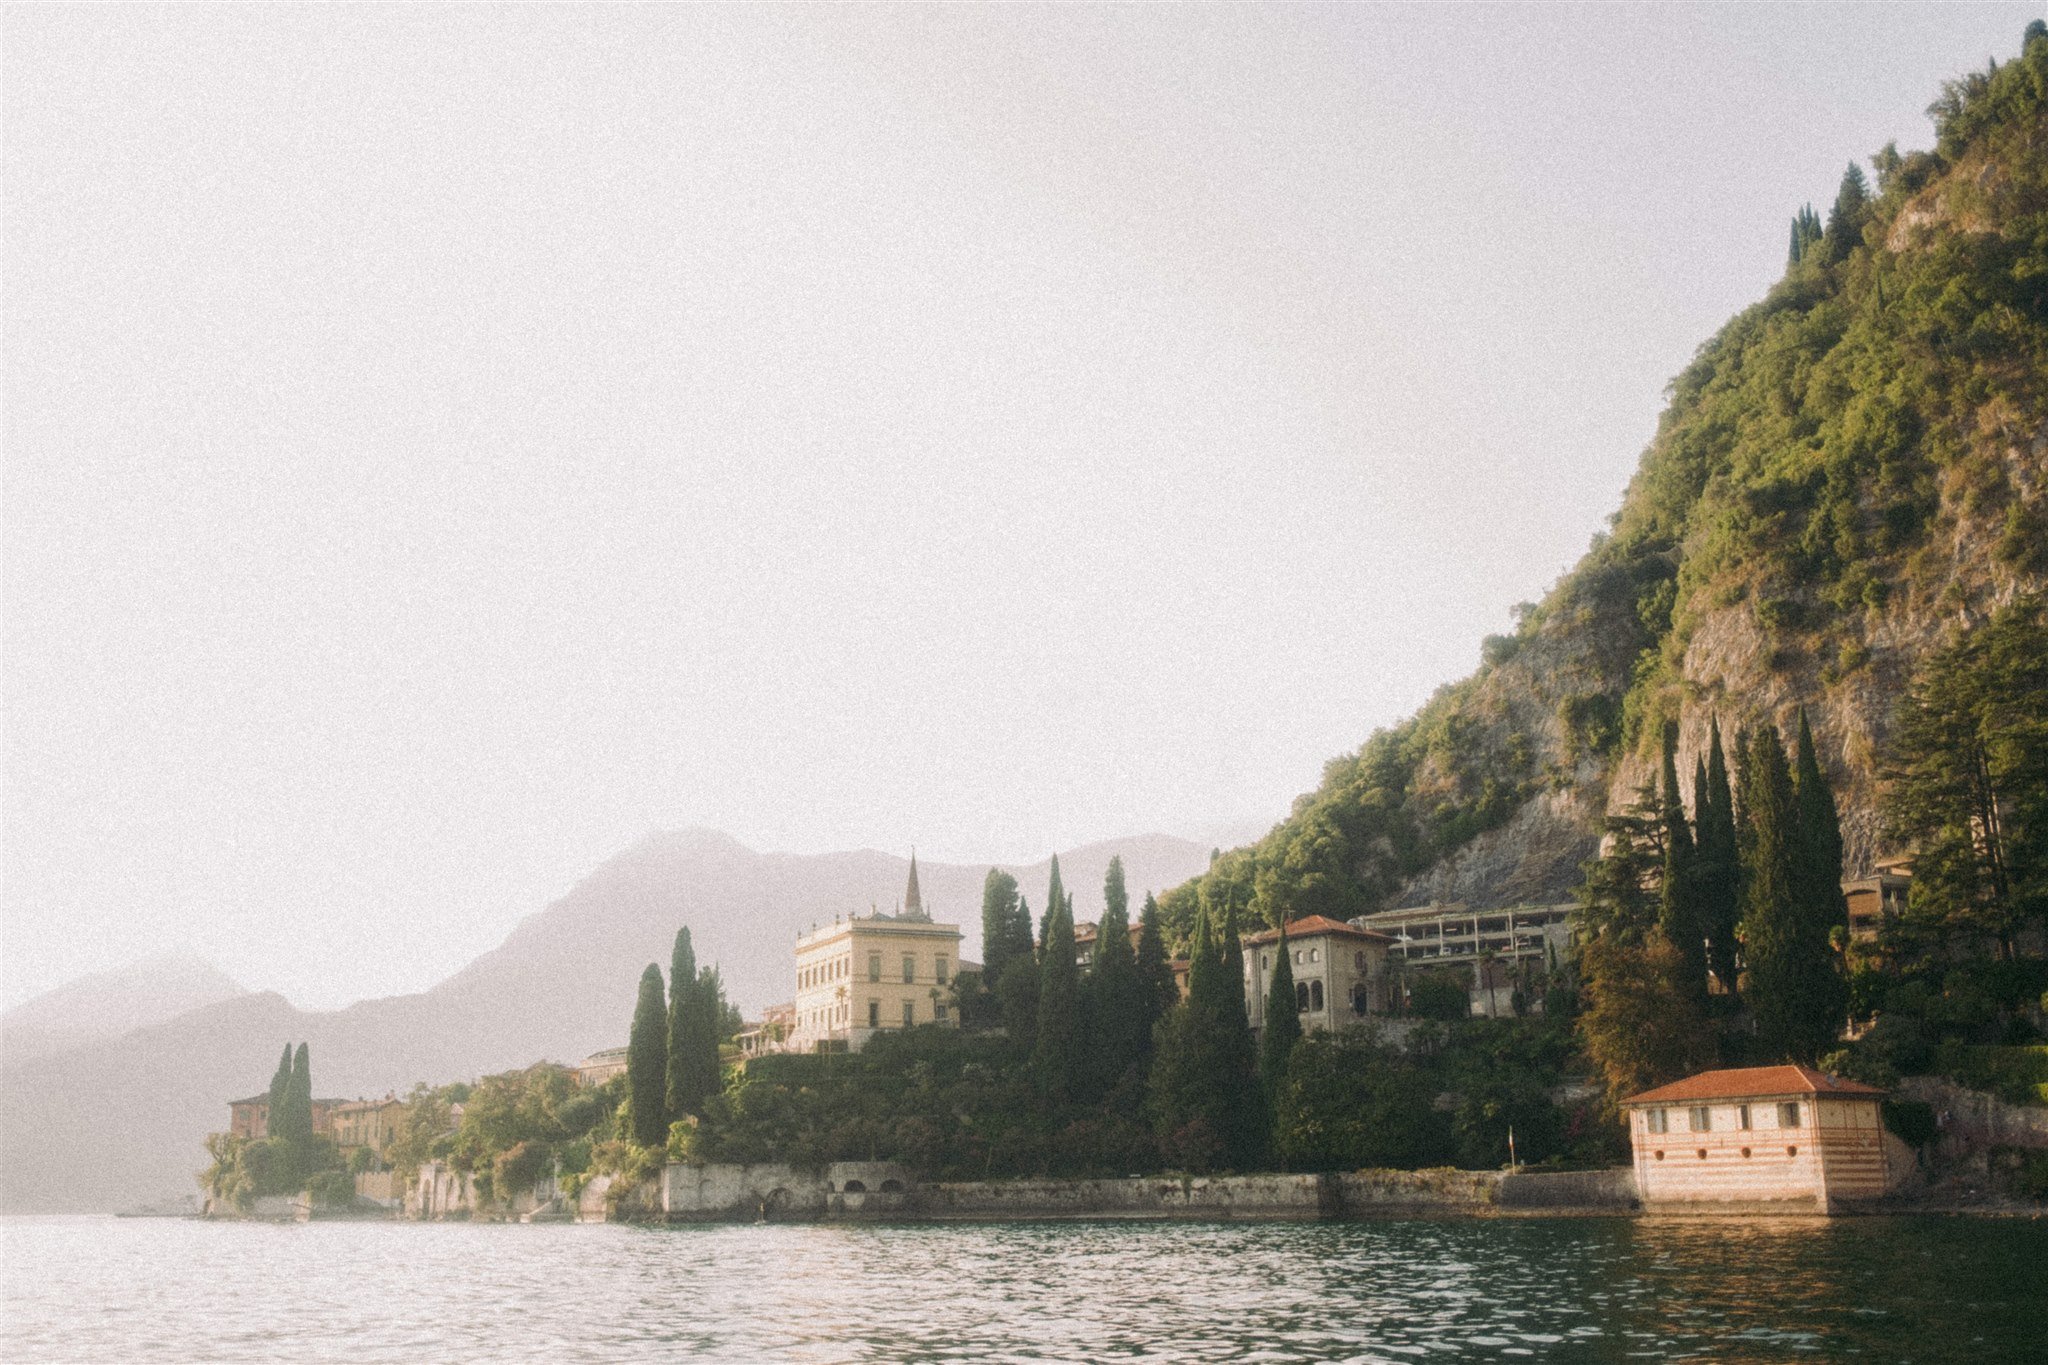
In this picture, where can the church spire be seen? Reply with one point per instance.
(913, 903)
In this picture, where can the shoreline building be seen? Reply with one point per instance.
(867, 974)
(1339, 972)
(1779, 1138)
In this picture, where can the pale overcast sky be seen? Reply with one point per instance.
(443, 444)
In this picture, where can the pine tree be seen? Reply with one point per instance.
(1283, 1020)
(998, 923)
(1720, 874)
(1617, 900)
(684, 1016)
(1845, 220)
(647, 1062)
(1967, 786)
(1677, 915)
(1055, 1050)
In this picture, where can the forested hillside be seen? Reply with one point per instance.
(1848, 473)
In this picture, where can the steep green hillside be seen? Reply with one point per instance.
(1849, 470)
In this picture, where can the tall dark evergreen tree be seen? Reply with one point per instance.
(1196, 1089)
(702, 1072)
(1844, 231)
(1155, 968)
(1818, 867)
(1283, 1021)
(1618, 900)
(683, 1017)
(1120, 1018)
(1018, 988)
(1678, 913)
(1055, 899)
(1056, 1050)
(1967, 788)
(298, 1100)
(999, 940)
(1720, 874)
(280, 1086)
(1793, 985)
(647, 1062)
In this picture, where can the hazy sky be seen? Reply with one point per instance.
(443, 444)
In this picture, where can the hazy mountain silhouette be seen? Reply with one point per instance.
(121, 1119)
(108, 1004)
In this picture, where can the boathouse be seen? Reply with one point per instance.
(1762, 1138)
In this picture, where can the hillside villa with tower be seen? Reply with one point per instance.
(865, 974)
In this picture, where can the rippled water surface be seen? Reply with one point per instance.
(1598, 1289)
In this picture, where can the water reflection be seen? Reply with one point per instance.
(1604, 1289)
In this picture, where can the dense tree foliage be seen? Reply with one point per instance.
(1968, 791)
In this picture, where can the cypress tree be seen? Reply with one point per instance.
(1120, 1018)
(1677, 915)
(298, 1100)
(1017, 990)
(1054, 1050)
(684, 1017)
(703, 1073)
(280, 1086)
(1248, 1120)
(1190, 1084)
(1155, 968)
(647, 1062)
(1055, 898)
(1824, 910)
(1720, 875)
(1789, 990)
(1283, 1020)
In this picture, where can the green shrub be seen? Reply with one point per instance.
(1911, 1121)
(332, 1189)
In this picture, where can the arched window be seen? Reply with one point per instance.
(1301, 997)
(1361, 962)
(1361, 1000)
(1315, 996)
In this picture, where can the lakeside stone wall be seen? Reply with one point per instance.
(881, 1191)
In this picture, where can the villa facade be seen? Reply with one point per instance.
(867, 974)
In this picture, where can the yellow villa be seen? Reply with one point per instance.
(1784, 1138)
(859, 976)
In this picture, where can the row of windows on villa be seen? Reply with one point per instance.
(842, 1014)
(814, 976)
(1700, 1118)
(1313, 955)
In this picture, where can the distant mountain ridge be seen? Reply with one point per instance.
(110, 1003)
(120, 1119)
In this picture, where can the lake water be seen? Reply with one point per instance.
(101, 1289)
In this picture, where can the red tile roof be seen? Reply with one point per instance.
(1753, 1082)
(1316, 926)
